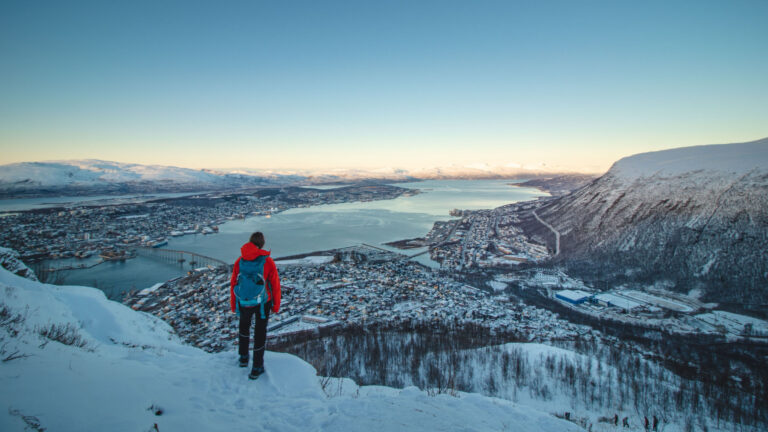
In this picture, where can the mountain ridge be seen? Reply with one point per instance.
(738, 157)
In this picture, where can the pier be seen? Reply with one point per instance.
(181, 257)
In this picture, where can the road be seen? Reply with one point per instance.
(557, 234)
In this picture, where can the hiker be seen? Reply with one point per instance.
(655, 423)
(254, 292)
(625, 422)
(646, 422)
(615, 419)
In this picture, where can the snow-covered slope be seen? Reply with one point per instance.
(717, 158)
(695, 217)
(122, 366)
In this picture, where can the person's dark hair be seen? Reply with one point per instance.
(257, 238)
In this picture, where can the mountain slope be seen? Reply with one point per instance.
(692, 218)
(119, 366)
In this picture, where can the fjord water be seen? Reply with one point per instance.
(314, 228)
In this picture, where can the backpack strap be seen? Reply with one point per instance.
(268, 286)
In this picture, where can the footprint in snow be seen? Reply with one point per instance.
(240, 404)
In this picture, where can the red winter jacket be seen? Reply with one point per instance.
(250, 252)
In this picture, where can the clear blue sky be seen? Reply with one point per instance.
(324, 84)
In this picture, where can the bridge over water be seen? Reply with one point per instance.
(194, 260)
(396, 255)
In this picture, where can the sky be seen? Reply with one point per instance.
(573, 85)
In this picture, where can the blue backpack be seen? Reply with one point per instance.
(251, 288)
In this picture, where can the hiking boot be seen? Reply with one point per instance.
(255, 373)
(242, 361)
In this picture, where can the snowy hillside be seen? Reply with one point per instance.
(72, 360)
(723, 158)
(691, 218)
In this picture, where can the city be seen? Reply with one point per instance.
(493, 243)
(356, 286)
(112, 232)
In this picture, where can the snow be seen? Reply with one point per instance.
(664, 302)
(139, 216)
(133, 361)
(729, 158)
(617, 301)
(78, 172)
(734, 323)
(96, 174)
(150, 290)
(708, 265)
(297, 325)
(497, 285)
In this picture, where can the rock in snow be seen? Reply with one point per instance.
(11, 261)
(128, 364)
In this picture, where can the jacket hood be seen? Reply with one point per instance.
(250, 251)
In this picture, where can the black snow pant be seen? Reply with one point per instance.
(259, 332)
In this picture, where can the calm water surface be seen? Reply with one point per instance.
(315, 228)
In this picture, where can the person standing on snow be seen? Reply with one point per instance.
(254, 291)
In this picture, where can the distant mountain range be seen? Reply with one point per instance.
(691, 219)
(85, 177)
(88, 177)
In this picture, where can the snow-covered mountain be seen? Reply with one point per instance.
(693, 218)
(97, 177)
(104, 177)
(73, 360)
